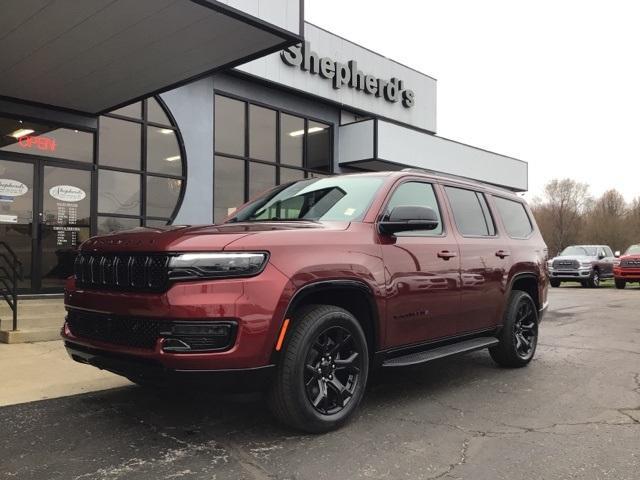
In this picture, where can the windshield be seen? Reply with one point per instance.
(331, 199)
(633, 250)
(580, 251)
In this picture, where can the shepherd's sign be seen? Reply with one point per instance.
(342, 74)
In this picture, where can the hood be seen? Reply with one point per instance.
(580, 258)
(633, 256)
(195, 238)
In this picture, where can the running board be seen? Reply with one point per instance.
(441, 352)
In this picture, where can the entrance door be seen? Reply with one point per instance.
(45, 213)
(65, 222)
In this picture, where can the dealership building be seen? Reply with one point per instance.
(115, 115)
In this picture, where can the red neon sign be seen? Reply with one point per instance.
(40, 142)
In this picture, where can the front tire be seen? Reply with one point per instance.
(555, 283)
(323, 370)
(594, 279)
(519, 334)
(620, 284)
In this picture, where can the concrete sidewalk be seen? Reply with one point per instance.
(36, 371)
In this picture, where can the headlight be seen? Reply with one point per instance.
(189, 266)
(585, 264)
(616, 262)
(549, 263)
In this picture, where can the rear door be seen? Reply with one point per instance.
(422, 272)
(484, 259)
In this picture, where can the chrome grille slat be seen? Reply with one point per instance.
(137, 272)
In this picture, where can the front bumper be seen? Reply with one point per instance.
(628, 274)
(570, 275)
(256, 305)
(154, 372)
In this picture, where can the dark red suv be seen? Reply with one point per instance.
(303, 291)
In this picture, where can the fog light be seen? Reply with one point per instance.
(199, 336)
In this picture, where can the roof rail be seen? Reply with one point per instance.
(455, 177)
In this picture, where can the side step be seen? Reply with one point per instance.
(441, 352)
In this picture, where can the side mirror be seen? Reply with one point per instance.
(616, 253)
(601, 256)
(406, 218)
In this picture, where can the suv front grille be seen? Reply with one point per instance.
(630, 263)
(122, 271)
(566, 264)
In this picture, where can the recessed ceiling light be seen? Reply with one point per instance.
(166, 131)
(173, 159)
(297, 133)
(21, 132)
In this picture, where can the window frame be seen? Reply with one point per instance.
(142, 173)
(492, 214)
(247, 159)
(526, 211)
(434, 185)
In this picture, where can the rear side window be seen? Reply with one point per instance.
(515, 218)
(415, 194)
(471, 212)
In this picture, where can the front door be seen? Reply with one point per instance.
(422, 274)
(45, 213)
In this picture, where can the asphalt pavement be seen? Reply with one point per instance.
(573, 413)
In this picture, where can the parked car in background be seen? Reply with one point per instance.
(586, 264)
(305, 289)
(626, 269)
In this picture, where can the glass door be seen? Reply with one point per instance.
(64, 222)
(17, 213)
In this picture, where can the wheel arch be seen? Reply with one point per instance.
(527, 282)
(354, 296)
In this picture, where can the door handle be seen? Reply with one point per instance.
(502, 253)
(446, 254)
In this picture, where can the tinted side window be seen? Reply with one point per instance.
(515, 217)
(470, 211)
(416, 194)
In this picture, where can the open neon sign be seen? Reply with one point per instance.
(39, 142)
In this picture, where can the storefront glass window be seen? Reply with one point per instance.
(229, 186)
(319, 146)
(146, 189)
(271, 138)
(262, 133)
(229, 125)
(133, 110)
(291, 139)
(120, 143)
(163, 152)
(162, 195)
(43, 140)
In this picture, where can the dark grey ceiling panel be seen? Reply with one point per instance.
(93, 55)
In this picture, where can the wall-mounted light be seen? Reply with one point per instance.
(21, 132)
(175, 158)
(297, 133)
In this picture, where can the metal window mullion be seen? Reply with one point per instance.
(246, 151)
(143, 164)
(278, 158)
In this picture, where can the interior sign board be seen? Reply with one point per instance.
(347, 75)
(67, 193)
(12, 188)
(8, 219)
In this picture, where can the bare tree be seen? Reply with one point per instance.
(605, 221)
(559, 213)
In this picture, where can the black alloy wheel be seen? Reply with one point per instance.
(594, 281)
(332, 370)
(519, 334)
(322, 369)
(525, 330)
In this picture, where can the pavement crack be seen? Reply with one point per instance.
(461, 460)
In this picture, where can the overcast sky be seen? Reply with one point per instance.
(555, 83)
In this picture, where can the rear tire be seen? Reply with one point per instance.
(519, 334)
(322, 373)
(620, 284)
(555, 283)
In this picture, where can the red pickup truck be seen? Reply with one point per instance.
(626, 269)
